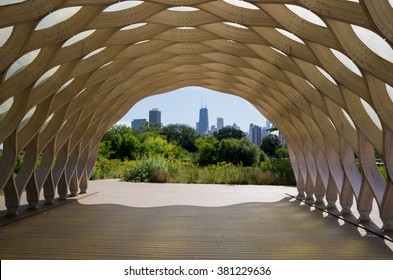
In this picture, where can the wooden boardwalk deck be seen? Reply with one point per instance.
(136, 221)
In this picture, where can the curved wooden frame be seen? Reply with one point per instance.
(325, 124)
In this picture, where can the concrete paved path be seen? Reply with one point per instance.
(174, 221)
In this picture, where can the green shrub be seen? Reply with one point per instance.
(281, 153)
(281, 168)
(277, 173)
(263, 157)
(239, 152)
(106, 169)
(152, 169)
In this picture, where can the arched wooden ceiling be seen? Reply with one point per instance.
(320, 70)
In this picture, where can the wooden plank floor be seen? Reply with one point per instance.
(136, 221)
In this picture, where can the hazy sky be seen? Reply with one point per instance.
(182, 107)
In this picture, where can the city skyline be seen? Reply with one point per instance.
(182, 107)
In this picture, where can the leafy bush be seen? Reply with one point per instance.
(239, 152)
(236, 151)
(281, 152)
(152, 169)
(119, 142)
(207, 150)
(263, 157)
(228, 173)
(282, 168)
(106, 169)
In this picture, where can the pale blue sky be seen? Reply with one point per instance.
(182, 106)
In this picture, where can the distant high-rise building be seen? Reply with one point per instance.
(255, 134)
(138, 124)
(220, 123)
(268, 125)
(155, 115)
(203, 126)
(282, 139)
(236, 126)
(266, 129)
(249, 136)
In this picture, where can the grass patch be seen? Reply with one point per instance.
(223, 173)
(161, 170)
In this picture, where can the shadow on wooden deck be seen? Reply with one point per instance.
(282, 230)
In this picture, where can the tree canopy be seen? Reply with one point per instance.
(270, 144)
(239, 151)
(236, 151)
(181, 134)
(119, 142)
(228, 132)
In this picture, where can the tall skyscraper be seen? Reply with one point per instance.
(220, 123)
(203, 127)
(255, 134)
(155, 115)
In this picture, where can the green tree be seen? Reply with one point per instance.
(181, 134)
(116, 130)
(239, 151)
(129, 147)
(119, 142)
(152, 127)
(105, 150)
(270, 144)
(263, 156)
(228, 132)
(207, 150)
(281, 153)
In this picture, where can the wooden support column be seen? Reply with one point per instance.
(311, 174)
(352, 179)
(373, 185)
(83, 182)
(49, 189)
(58, 172)
(336, 175)
(70, 171)
(7, 182)
(32, 192)
(25, 178)
(302, 174)
(62, 187)
(387, 201)
(322, 175)
(12, 198)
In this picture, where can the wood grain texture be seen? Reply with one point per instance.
(301, 85)
(152, 221)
